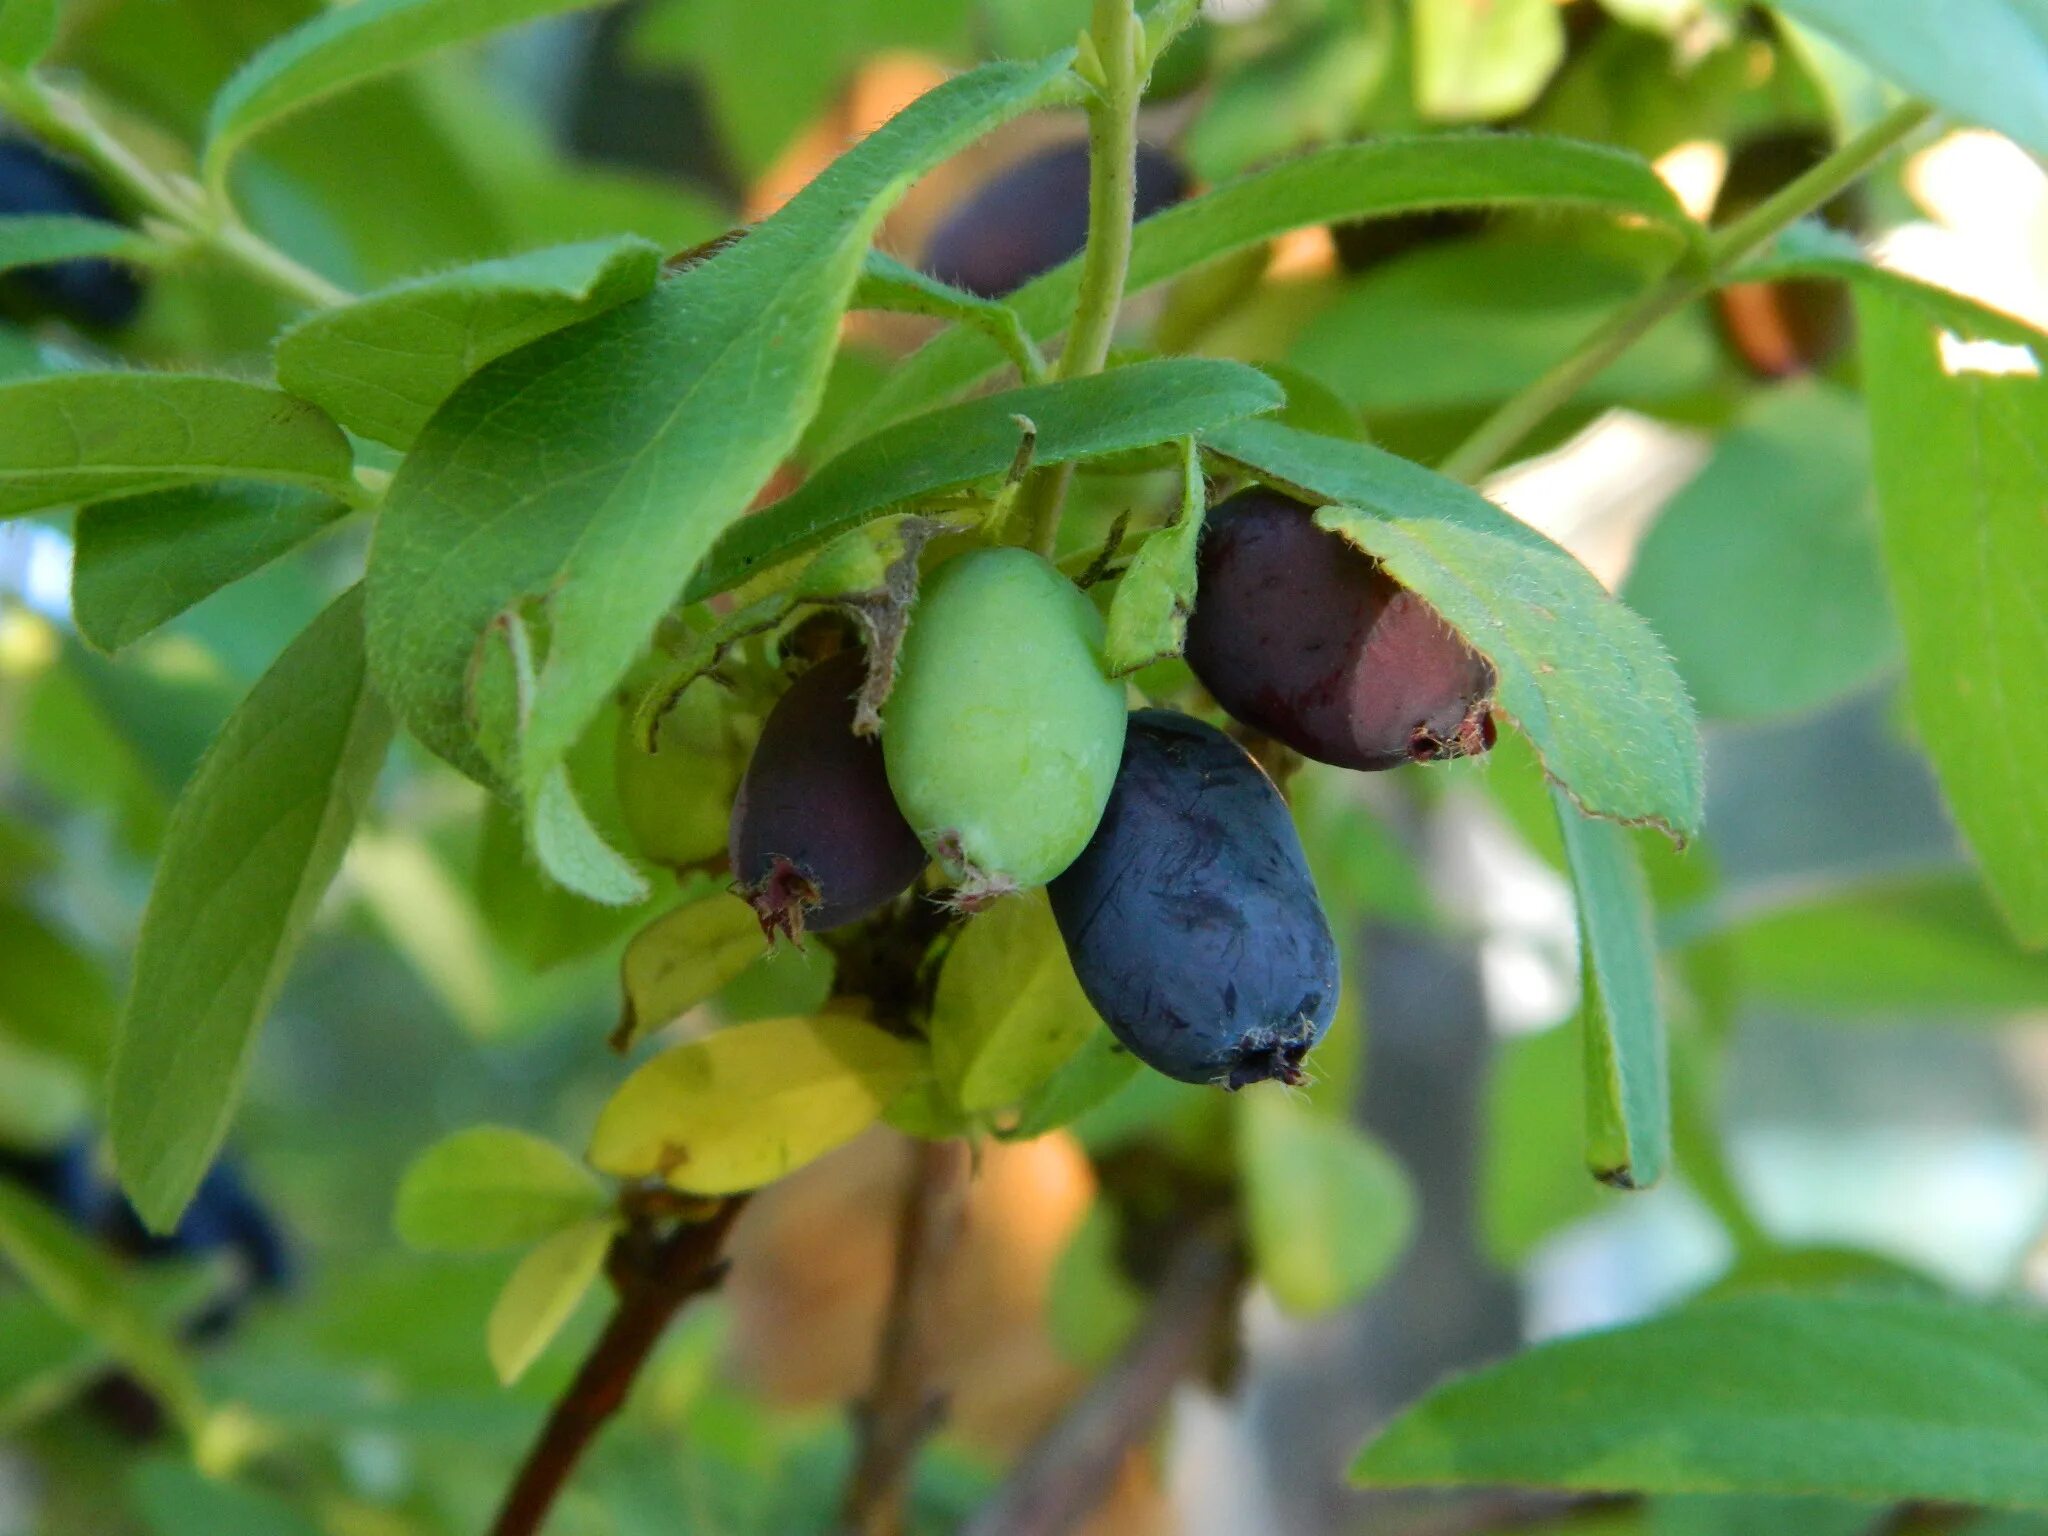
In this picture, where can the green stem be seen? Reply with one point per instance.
(1500, 434)
(1112, 197)
(67, 121)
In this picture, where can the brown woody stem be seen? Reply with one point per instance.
(902, 1406)
(655, 1277)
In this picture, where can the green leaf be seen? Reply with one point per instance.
(1534, 1176)
(1329, 1210)
(1091, 1076)
(344, 47)
(251, 846)
(53, 996)
(1148, 618)
(30, 240)
(1984, 60)
(629, 443)
(1376, 179)
(1934, 949)
(81, 1283)
(958, 445)
(683, 959)
(1465, 324)
(1476, 60)
(492, 1187)
(1579, 672)
(1091, 1305)
(886, 283)
(1783, 612)
(382, 365)
(1859, 1397)
(27, 29)
(174, 1498)
(574, 852)
(542, 1295)
(1008, 1012)
(747, 1105)
(1628, 1089)
(141, 561)
(76, 437)
(1962, 477)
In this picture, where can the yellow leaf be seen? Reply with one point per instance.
(741, 1108)
(542, 1294)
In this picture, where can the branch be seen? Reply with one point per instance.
(654, 1278)
(902, 1408)
(1070, 1469)
(1501, 433)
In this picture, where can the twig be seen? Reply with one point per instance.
(1072, 1466)
(654, 1278)
(902, 1406)
(1503, 432)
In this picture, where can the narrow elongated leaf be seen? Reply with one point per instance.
(1008, 1012)
(740, 1108)
(1777, 613)
(29, 240)
(141, 561)
(80, 1282)
(347, 46)
(594, 468)
(1329, 1210)
(1983, 60)
(492, 1187)
(1962, 478)
(957, 445)
(251, 846)
(382, 365)
(542, 1295)
(684, 958)
(1877, 1398)
(74, 437)
(886, 283)
(1580, 673)
(1090, 1076)
(1628, 1090)
(1378, 179)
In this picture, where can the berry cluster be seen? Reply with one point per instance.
(1173, 867)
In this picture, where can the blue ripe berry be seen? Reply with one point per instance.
(1191, 919)
(88, 290)
(1031, 216)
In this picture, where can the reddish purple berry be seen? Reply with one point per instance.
(1307, 638)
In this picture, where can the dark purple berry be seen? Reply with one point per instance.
(816, 838)
(1190, 917)
(1307, 638)
(88, 290)
(1032, 216)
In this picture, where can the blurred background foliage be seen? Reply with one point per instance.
(1861, 1078)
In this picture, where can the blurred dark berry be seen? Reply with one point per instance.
(89, 291)
(1363, 244)
(1780, 330)
(816, 838)
(1305, 637)
(1032, 216)
(1190, 917)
